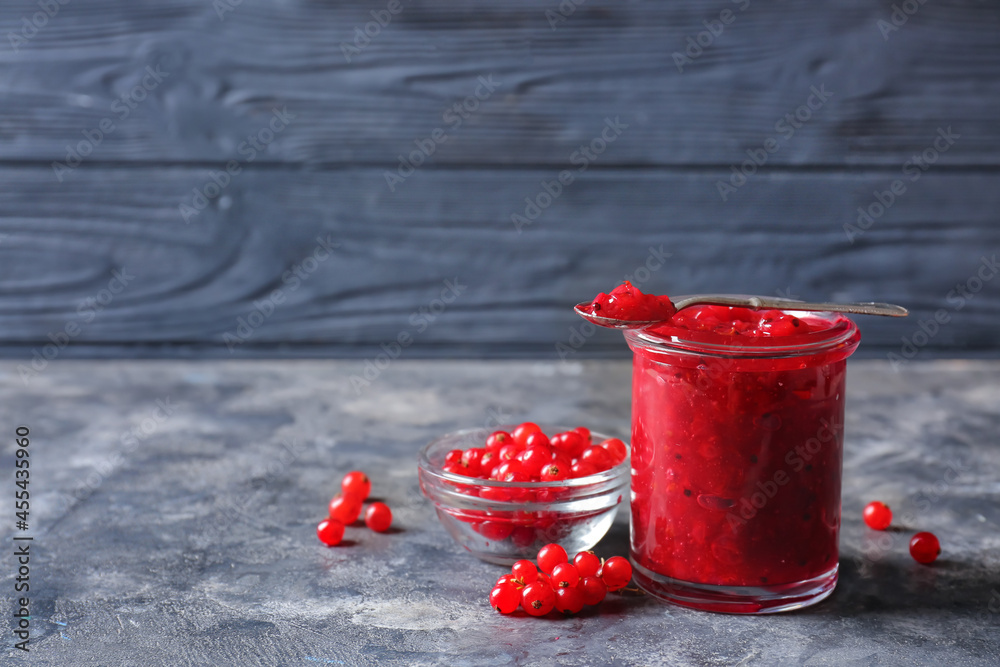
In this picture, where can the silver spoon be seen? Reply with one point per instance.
(681, 302)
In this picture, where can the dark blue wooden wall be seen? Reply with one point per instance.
(325, 177)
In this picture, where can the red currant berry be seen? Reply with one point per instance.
(587, 564)
(330, 532)
(522, 432)
(545, 579)
(508, 467)
(489, 460)
(568, 444)
(356, 483)
(582, 469)
(524, 571)
(470, 459)
(616, 573)
(537, 440)
(533, 458)
(538, 598)
(509, 452)
(877, 515)
(553, 472)
(505, 598)
(584, 433)
(378, 517)
(507, 579)
(453, 468)
(597, 457)
(593, 589)
(569, 600)
(453, 458)
(616, 449)
(549, 556)
(925, 548)
(565, 575)
(494, 493)
(498, 439)
(345, 509)
(495, 530)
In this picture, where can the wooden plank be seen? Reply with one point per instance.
(189, 284)
(608, 59)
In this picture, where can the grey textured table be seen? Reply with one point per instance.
(174, 507)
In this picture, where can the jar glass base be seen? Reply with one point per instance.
(737, 599)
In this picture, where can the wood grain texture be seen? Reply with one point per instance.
(192, 282)
(942, 68)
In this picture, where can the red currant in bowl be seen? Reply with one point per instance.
(543, 493)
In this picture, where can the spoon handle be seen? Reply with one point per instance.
(864, 308)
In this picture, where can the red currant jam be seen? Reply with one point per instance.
(737, 436)
(626, 302)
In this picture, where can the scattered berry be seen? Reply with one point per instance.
(357, 484)
(616, 573)
(877, 515)
(330, 532)
(505, 598)
(378, 517)
(549, 556)
(925, 548)
(538, 598)
(345, 508)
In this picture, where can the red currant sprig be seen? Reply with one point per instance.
(561, 585)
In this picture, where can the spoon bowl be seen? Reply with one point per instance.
(745, 301)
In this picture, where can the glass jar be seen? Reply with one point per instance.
(737, 449)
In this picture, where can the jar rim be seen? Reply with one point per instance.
(842, 332)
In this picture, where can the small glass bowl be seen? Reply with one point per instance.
(574, 513)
